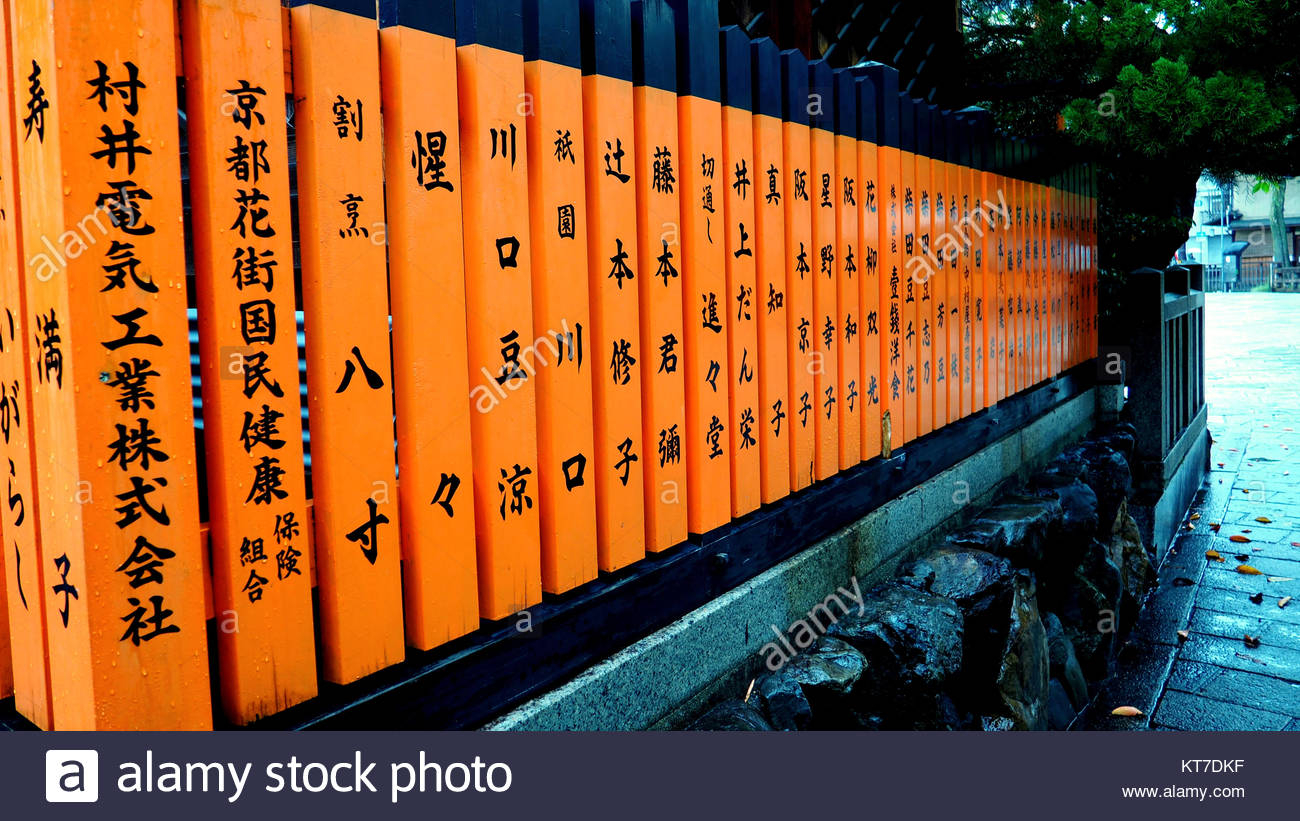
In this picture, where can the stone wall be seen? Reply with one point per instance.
(667, 679)
(1009, 623)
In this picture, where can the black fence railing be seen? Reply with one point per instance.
(1166, 375)
(1253, 276)
(1250, 276)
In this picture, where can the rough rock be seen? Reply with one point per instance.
(730, 716)
(982, 586)
(1023, 677)
(783, 701)
(1064, 668)
(829, 673)
(1068, 465)
(1060, 712)
(1089, 609)
(1078, 515)
(1121, 436)
(1136, 572)
(1104, 468)
(996, 724)
(1027, 524)
(1134, 561)
(912, 642)
(990, 537)
(1107, 473)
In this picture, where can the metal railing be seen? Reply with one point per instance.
(1250, 276)
(1253, 276)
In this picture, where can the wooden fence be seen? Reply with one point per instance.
(588, 276)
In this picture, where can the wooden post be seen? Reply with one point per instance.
(426, 277)
(1151, 414)
(1012, 283)
(923, 270)
(345, 312)
(659, 162)
(909, 327)
(1093, 267)
(869, 295)
(704, 284)
(800, 260)
(941, 274)
(968, 204)
(613, 251)
(888, 162)
(826, 324)
(743, 301)
(111, 401)
(772, 298)
(557, 204)
(848, 271)
(948, 248)
(1005, 212)
(248, 347)
(24, 671)
(498, 304)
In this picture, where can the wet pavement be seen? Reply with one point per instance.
(1237, 666)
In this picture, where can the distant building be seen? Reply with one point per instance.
(1234, 220)
(1211, 218)
(1251, 223)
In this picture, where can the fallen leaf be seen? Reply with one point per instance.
(1127, 711)
(1246, 530)
(750, 691)
(1183, 635)
(1213, 555)
(1215, 526)
(1258, 598)
(1183, 581)
(1238, 538)
(1247, 570)
(1195, 516)
(1241, 557)
(1283, 602)
(1264, 520)
(1280, 579)
(1250, 641)
(1220, 464)
(1295, 544)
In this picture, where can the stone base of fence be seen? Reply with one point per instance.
(663, 679)
(1158, 513)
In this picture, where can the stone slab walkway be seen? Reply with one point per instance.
(1213, 679)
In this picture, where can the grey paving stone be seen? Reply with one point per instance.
(1233, 653)
(1226, 625)
(1185, 711)
(1238, 603)
(1236, 687)
(1138, 680)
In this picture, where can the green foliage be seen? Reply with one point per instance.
(1154, 92)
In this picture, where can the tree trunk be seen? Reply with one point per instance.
(1277, 219)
